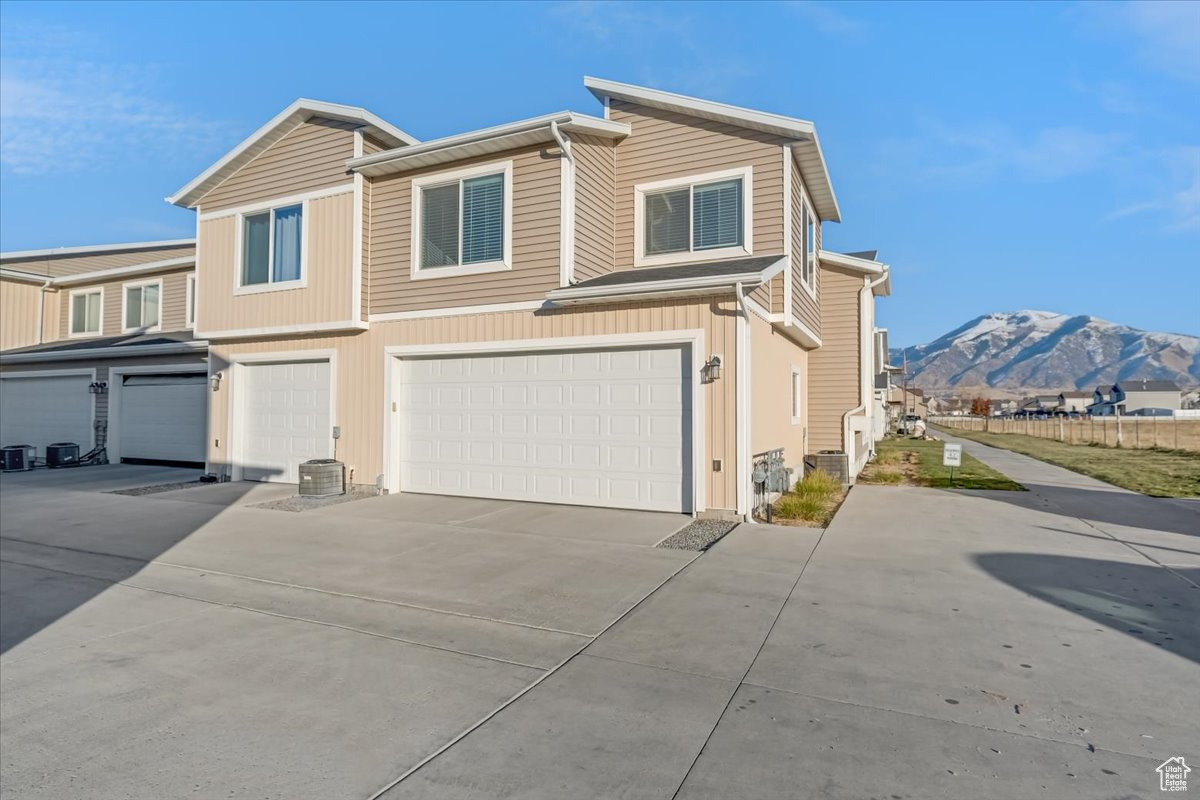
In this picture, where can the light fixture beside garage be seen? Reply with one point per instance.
(98, 387)
(712, 369)
(214, 381)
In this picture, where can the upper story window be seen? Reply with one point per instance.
(462, 221)
(87, 307)
(272, 248)
(142, 305)
(190, 313)
(810, 248)
(702, 216)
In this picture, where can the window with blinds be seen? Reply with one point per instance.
(696, 217)
(462, 223)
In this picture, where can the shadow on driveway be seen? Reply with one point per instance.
(1139, 600)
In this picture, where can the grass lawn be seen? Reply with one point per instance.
(1158, 473)
(917, 462)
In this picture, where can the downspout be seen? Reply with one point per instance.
(742, 406)
(567, 212)
(42, 311)
(862, 380)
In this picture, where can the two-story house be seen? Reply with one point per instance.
(1127, 397)
(617, 309)
(97, 349)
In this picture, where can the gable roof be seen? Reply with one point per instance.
(95, 248)
(1146, 386)
(806, 146)
(279, 126)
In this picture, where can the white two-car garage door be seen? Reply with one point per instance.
(285, 418)
(604, 428)
(164, 417)
(44, 410)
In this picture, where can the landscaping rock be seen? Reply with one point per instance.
(698, 536)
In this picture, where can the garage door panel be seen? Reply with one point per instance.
(590, 427)
(43, 410)
(286, 419)
(164, 417)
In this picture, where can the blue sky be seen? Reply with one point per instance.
(1000, 156)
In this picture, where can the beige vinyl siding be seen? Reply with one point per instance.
(763, 296)
(595, 215)
(372, 145)
(19, 311)
(365, 279)
(774, 356)
(665, 145)
(58, 266)
(172, 308)
(326, 298)
(360, 376)
(834, 383)
(778, 293)
(535, 247)
(805, 308)
(311, 157)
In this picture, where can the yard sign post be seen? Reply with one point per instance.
(952, 457)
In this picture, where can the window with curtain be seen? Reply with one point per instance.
(700, 216)
(85, 312)
(141, 306)
(462, 222)
(271, 246)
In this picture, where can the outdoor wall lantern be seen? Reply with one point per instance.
(97, 387)
(214, 381)
(712, 369)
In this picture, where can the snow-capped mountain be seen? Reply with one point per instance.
(1043, 350)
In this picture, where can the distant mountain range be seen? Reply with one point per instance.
(1019, 350)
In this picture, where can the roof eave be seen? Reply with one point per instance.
(105, 352)
(99, 248)
(666, 288)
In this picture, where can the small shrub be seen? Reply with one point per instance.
(887, 476)
(818, 485)
(888, 457)
(795, 506)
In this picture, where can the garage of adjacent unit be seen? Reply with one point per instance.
(283, 417)
(163, 417)
(44, 409)
(610, 427)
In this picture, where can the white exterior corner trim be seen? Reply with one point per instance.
(742, 415)
(356, 259)
(302, 328)
(692, 338)
(416, 271)
(788, 211)
(566, 208)
(690, 256)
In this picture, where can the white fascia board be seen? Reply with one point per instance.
(818, 181)
(567, 121)
(96, 248)
(298, 112)
(16, 275)
(861, 265)
(121, 272)
(106, 352)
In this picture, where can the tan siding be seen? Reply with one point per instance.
(763, 296)
(52, 316)
(19, 310)
(372, 145)
(58, 266)
(365, 278)
(667, 145)
(805, 307)
(778, 295)
(311, 157)
(834, 386)
(360, 379)
(172, 309)
(773, 358)
(595, 220)
(327, 297)
(535, 247)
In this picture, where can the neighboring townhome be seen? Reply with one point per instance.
(1130, 396)
(1073, 401)
(97, 348)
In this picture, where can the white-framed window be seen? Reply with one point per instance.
(462, 221)
(808, 267)
(87, 312)
(141, 306)
(271, 248)
(797, 396)
(190, 307)
(695, 218)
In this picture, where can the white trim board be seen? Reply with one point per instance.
(458, 311)
(692, 338)
(307, 327)
(276, 202)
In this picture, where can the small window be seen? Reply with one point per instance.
(703, 216)
(272, 244)
(797, 396)
(85, 312)
(191, 302)
(462, 223)
(810, 247)
(142, 306)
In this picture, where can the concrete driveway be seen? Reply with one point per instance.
(929, 644)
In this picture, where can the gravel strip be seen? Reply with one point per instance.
(298, 503)
(160, 487)
(699, 536)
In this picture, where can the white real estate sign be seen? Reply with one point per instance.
(952, 455)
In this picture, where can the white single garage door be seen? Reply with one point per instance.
(285, 418)
(164, 417)
(41, 411)
(603, 428)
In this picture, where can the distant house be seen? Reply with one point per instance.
(1073, 401)
(1131, 396)
(999, 408)
(912, 401)
(1039, 404)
